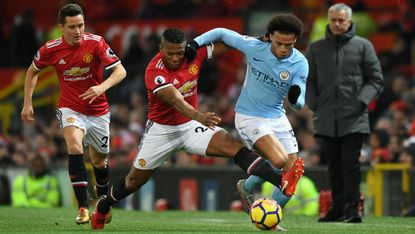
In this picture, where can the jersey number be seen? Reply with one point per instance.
(200, 129)
(104, 142)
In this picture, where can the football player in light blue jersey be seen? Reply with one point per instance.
(275, 69)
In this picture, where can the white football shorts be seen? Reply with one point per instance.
(160, 142)
(252, 128)
(96, 128)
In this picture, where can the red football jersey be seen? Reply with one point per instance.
(78, 69)
(184, 79)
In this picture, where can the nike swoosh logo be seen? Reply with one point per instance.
(258, 60)
(284, 185)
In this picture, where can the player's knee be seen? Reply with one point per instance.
(99, 163)
(278, 161)
(224, 145)
(132, 183)
(75, 149)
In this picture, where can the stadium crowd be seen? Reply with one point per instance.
(392, 115)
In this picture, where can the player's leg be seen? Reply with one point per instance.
(99, 162)
(101, 171)
(246, 159)
(275, 140)
(98, 138)
(271, 149)
(251, 183)
(221, 144)
(157, 145)
(259, 133)
(246, 189)
(73, 128)
(272, 138)
(247, 186)
(121, 189)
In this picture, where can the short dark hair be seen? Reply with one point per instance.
(285, 23)
(174, 35)
(69, 10)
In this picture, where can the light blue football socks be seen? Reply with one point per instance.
(253, 182)
(280, 197)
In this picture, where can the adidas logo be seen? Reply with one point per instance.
(175, 81)
(62, 61)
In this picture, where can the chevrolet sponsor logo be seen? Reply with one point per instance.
(187, 86)
(76, 71)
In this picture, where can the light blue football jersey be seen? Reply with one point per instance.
(268, 78)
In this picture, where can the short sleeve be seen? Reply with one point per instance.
(42, 58)
(156, 80)
(108, 58)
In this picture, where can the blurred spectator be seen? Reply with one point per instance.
(5, 198)
(23, 40)
(5, 159)
(399, 112)
(395, 147)
(408, 156)
(100, 10)
(392, 93)
(4, 49)
(209, 9)
(133, 57)
(308, 148)
(378, 141)
(36, 187)
(151, 9)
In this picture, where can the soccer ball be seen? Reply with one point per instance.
(266, 214)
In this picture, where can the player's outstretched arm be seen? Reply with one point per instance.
(229, 37)
(174, 98)
(218, 48)
(27, 114)
(117, 75)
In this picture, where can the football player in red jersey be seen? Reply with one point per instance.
(174, 123)
(83, 110)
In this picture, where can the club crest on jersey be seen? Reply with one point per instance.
(159, 80)
(110, 53)
(142, 162)
(193, 69)
(284, 75)
(87, 58)
(255, 132)
(70, 120)
(37, 55)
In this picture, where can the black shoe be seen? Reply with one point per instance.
(332, 216)
(353, 219)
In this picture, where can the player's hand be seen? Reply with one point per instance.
(27, 114)
(190, 50)
(92, 93)
(209, 119)
(293, 94)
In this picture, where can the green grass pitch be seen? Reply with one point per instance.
(62, 220)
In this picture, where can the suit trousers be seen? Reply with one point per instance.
(343, 155)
